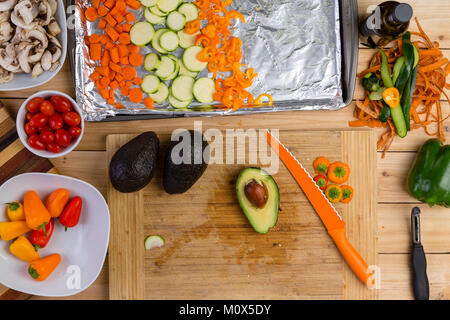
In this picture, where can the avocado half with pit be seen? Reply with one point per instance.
(259, 198)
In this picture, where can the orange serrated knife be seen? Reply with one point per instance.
(327, 213)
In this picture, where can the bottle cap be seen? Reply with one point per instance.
(403, 12)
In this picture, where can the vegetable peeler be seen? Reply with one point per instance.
(418, 260)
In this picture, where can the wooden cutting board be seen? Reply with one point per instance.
(212, 252)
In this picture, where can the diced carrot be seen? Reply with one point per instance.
(128, 84)
(110, 19)
(111, 92)
(104, 62)
(130, 17)
(124, 91)
(133, 48)
(136, 59)
(105, 81)
(136, 95)
(104, 93)
(124, 38)
(119, 106)
(121, 7)
(94, 38)
(137, 81)
(102, 24)
(129, 73)
(113, 34)
(111, 101)
(95, 51)
(114, 84)
(110, 45)
(119, 28)
(96, 3)
(133, 4)
(126, 27)
(115, 67)
(109, 3)
(119, 77)
(94, 76)
(123, 50)
(104, 39)
(119, 17)
(91, 14)
(124, 61)
(115, 57)
(149, 103)
(104, 71)
(112, 75)
(102, 11)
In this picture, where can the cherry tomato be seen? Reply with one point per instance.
(39, 120)
(29, 115)
(29, 129)
(47, 136)
(36, 143)
(47, 108)
(74, 131)
(54, 147)
(56, 121)
(62, 104)
(34, 104)
(62, 137)
(71, 118)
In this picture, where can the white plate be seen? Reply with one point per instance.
(82, 248)
(24, 80)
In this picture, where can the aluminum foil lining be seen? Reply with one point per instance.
(293, 45)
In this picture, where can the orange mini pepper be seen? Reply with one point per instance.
(338, 172)
(36, 214)
(321, 165)
(40, 269)
(56, 202)
(347, 194)
(333, 193)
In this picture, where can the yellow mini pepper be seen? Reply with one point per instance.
(15, 211)
(23, 249)
(36, 214)
(13, 229)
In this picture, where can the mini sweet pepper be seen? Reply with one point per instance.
(36, 214)
(23, 249)
(15, 211)
(12, 229)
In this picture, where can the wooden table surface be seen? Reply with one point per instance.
(88, 162)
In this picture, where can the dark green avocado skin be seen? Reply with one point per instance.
(178, 178)
(133, 165)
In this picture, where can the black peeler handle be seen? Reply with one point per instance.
(420, 278)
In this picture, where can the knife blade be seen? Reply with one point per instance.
(333, 222)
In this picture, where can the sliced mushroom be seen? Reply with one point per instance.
(54, 46)
(45, 13)
(54, 66)
(37, 70)
(19, 36)
(24, 13)
(38, 37)
(5, 76)
(53, 27)
(8, 59)
(4, 16)
(6, 31)
(23, 57)
(6, 5)
(46, 60)
(53, 5)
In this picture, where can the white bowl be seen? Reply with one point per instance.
(23, 81)
(20, 123)
(82, 248)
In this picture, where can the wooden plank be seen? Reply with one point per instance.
(126, 246)
(360, 213)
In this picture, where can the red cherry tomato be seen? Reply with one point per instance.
(29, 115)
(47, 136)
(39, 120)
(74, 131)
(29, 129)
(54, 147)
(62, 137)
(56, 121)
(34, 104)
(62, 104)
(71, 118)
(47, 108)
(36, 143)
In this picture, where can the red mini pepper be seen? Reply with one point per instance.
(321, 181)
(71, 214)
(38, 237)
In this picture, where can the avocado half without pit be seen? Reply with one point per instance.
(259, 198)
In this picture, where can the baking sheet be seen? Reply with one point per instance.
(295, 46)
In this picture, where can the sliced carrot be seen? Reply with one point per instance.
(110, 45)
(112, 75)
(148, 102)
(114, 52)
(102, 24)
(114, 84)
(128, 84)
(96, 3)
(124, 38)
(105, 59)
(119, 106)
(113, 34)
(133, 4)
(95, 51)
(102, 11)
(124, 91)
(126, 27)
(109, 3)
(115, 67)
(104, 71)
(119, 77)
(137, 81)
(94, 76)
(111, 101)
(105, 81)
(136, 95)
(123, 50)
(91, 14)
(94, 38)
(130, 17)
(124, 61)
(136, 59)
(133, 48)
(129, 73)
(119, 17)
(119, 28)
(104, 93)
(110, 19)
(104, 39)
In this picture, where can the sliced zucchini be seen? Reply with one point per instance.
(175, 21)
(190, 59)
(141, 33)
(187, 40)
(167, 5)
(150, 83)
(166, 67)
(185, 72)
(155, 10)
(175, 73)
(161, 95)
(153, 242)
(169, 40)
(189, 10)
(153, 18)
(174, 102)
(182, 88)
(151, 61)
(148, 3)
(204, 89)
(155, 41)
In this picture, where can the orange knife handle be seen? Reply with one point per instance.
(351, 256)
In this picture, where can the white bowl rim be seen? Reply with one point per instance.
(63, 25)
(108, 217)
(23, 136)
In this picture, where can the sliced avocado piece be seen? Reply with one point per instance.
(181, 171)
(133, 165)
(259, 198)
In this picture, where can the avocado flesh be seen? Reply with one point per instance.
(261, 219)
(133, 165)
(179, 178)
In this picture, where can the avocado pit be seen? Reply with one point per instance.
(256, 193)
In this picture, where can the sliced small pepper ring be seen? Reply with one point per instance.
(333, 193)
(392, 97)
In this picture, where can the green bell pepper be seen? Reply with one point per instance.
(429, 177)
